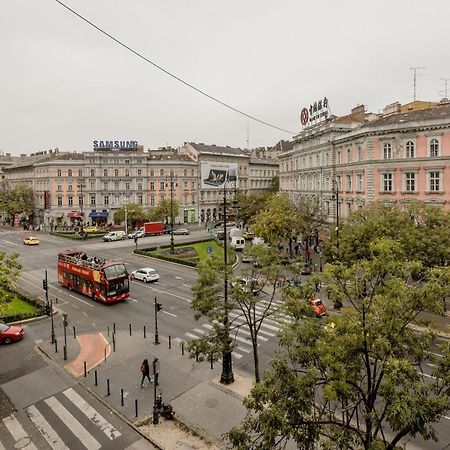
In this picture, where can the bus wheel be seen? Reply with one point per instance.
(94, 297)
(70, 287)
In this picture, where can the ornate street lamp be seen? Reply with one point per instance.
(171, 186)
(80, 186)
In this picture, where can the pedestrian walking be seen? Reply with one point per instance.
(156, 369)
(145, 370)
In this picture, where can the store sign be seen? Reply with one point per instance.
(115, 145)
(317, 112)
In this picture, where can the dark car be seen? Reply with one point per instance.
(181, 231)
(306, 270)
(10, 333)
(220, 235)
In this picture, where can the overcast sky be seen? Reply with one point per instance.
(63, 84)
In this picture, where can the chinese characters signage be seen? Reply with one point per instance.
(317, 112)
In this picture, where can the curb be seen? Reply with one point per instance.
(33, 319)
(102, 401)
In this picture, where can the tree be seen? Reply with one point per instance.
(357, 382)
(135, 213)
(17, 199)
(310, 217)
(9, 271)
(250, 206)
(161, 212)
(252, 302)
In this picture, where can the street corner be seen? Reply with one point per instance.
(94, 349)
(240, 388)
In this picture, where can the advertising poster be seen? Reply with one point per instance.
(216, 174)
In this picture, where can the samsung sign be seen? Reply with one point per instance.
(115, 145)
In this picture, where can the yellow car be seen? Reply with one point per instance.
(31, 240)
(93, 229)
(247, 235)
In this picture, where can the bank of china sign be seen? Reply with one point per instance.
(115, 145)
(317, 112)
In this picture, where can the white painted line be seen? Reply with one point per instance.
(434, 354)
(46, 429)
(1, 446)
(242, 330)
(169, 314)
(190, 335)
(236, 355)
(77, 429)
(133, 299)
(242, 349)
(178, 278)
(237, 338)
(446, 417)
(197, 330)
(85, 314)
(186, 285)
(92, 414)
(12, 243)
(16, 430)
(176, 296)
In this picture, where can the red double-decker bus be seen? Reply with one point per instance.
(105, 281)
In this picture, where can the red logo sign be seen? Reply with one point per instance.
(304, 116)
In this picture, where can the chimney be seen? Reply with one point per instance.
(359, 112)
(393, 108)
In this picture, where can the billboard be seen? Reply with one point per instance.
(218, 175)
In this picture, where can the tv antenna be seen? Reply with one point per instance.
(415, 69)
(444, 91)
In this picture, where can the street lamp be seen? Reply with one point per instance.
(171, 185)
(336, 197)
(65, 334)
(80, 186)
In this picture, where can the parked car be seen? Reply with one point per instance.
(247, 235)
(238, 243)
(136, 234)
(10, 333)
(181, 231)
(247, 284)
(318, 307)
(247, 259)
(146, 274)
(306, 270)
(93, 229)
(114, 236)
(220, 235)
(31, 240)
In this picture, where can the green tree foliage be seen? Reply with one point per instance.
(250, 206)
(17, 199)
(356, 381)
(135, 213)
(162, 213)
(310, 217)
(252, 302)
(9, 271)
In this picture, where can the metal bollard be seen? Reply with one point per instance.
(108, 392)
(114, 328)
(65, 352)
(121, 397)
(95, 378)
(144, 332)
(196, 356)
(129, 326)
(212, 363)
(170, 343)
(135, 407)
(56, 345)
(114, 342)
(74, 333)
(85, 371)
(182, 348)
(108, 330)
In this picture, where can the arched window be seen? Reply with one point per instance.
(387, 151)
(410, 149)
(434, 147)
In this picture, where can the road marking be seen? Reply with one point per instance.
(77, 429)
(12, 243)
(92, 414)
(170, 314)
(178, 278)
(45, 429)
(85, 314)
(17, 432)
(133, 299)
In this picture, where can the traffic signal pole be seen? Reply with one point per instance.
(158, 307)
(49, 305)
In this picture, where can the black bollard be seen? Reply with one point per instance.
(212, 363)
(170, 343)
(95, 378)
(129, 326)
(108, 330)
(74, 333)
(56, 345)
(108, 393)
(121, 397)
(85, 371)
(114, 342)
(182, 348)
(135, 407)
(196, 356)
(144, 332)
(114, 328)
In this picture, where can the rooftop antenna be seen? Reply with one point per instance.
(444, 91)
(415, 69)
(248, 136)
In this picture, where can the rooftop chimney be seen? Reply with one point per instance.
(392, 108)
(358, 112)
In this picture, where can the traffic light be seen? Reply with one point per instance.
(44, 285)
(158, 307)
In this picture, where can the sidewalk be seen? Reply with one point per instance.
(204, 409)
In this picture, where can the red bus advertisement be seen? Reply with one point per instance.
(105, 281)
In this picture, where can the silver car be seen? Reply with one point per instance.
(146, 275)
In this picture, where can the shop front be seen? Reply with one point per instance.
(99, 218)
(189, 215)
(75, 217)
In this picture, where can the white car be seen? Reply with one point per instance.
(146, 275)
(114, 236)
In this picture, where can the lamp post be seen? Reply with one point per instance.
(171, 186)
(81, 203)
(65, 334)
(126, 219)
(336, 198)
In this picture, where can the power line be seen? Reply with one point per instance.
(171, 74)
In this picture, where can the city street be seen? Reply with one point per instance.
(173, 291)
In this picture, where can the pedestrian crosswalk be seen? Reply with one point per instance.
(241, 334)
(62, 421)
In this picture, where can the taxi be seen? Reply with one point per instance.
(247, 235)
(93, 229)
(31, 240)
(318, 307)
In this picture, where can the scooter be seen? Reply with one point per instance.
(164, 410)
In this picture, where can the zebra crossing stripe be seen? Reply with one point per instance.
(92, 414)
(242, 330)
(237, 338)
(77, 429)
(17, 432)
(46, 429)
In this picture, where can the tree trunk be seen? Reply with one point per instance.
(256, 358)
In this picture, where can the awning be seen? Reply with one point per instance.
(103, 214)
(75, 214)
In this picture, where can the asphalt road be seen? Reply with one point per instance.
(173, 291)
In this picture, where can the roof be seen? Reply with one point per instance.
(218, 150)
(283, 146)
(264, 161)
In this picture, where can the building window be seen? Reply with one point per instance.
(359, 182)
(434, 181)
(161, 186)
(59, 200)
(92, 185)
(105, 185)
(161, 197)
(388, 182)
(185, 185)
(116, 172)
(80, 200)
(192, 184)
(58, 173)
(349, 183)
(349, 209)
(92, 172)
(127, 161)
(80, 172)
(140, 199)
(410, 149)
(327, 159)
(152, 185)
(139, 186)
(161, 172)
(185, 172)
(127, 186)
(106, 200)
(92, 200)
(70, 200)
(127, 172)
(152, 173)
(70, 187)
(69, 173)
(192, 172)
(434, 147)
(139, 172)
(105, 172)
(116, 185)
(152, 200)
(410, 181)
(339, 182)
(338, 157)
(387, 151)
(349, 155)
(359, 153)
(59, 188)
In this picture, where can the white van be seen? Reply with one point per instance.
(114, 236)
(238, 243)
